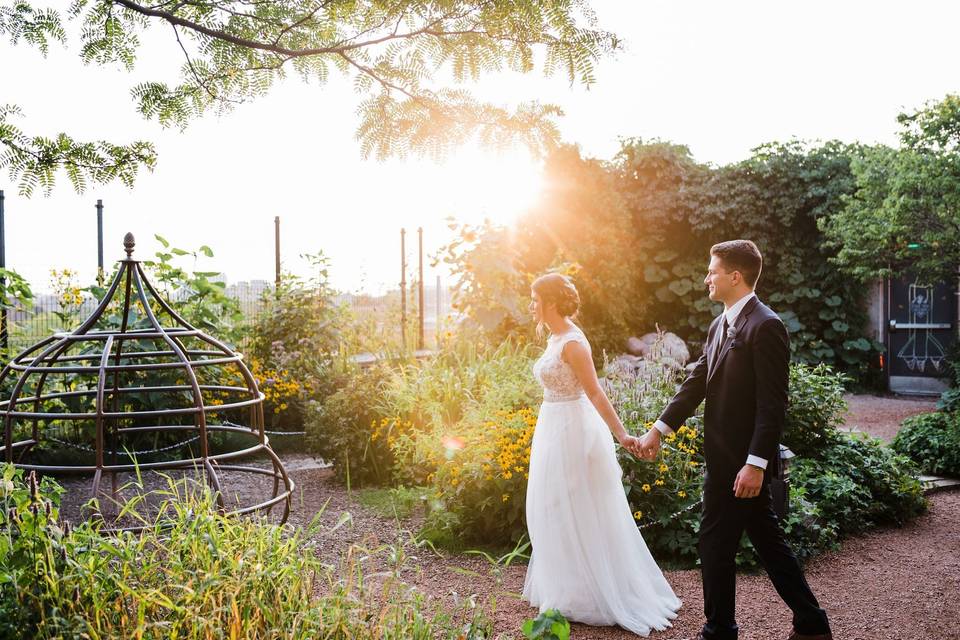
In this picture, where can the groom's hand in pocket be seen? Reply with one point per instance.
(748, 482)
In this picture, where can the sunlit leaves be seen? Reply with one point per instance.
(405, 60)
(33, 161)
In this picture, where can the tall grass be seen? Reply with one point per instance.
(199, 575)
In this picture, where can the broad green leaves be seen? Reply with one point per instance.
(905, 209)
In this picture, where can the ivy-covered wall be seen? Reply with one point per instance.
(636, 233)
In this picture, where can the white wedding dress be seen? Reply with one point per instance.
(588, 559)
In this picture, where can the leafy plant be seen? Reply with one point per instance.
(858, 483)
(549, 625)
(347, 429)
(932, 441)
(194, 573)
(296, 344)
(815, 409)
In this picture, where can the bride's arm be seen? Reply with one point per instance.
(578, 357)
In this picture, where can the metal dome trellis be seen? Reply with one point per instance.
(122, 360)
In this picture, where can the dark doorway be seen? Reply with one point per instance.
(923, 326)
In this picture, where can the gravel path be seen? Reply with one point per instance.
(880, 416)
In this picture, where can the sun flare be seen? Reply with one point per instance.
(498, 186)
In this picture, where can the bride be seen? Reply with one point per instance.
(589, 560)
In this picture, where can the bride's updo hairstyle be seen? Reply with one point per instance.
(557, 289)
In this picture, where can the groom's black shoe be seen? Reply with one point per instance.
(800, 636)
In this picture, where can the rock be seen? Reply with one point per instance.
(640, 346)
(651, 346)
(624, 364)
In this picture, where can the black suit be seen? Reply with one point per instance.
(745, 388)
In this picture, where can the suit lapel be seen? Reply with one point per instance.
(712, 345)
(741, 320)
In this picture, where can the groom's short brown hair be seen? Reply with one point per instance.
(742, 256)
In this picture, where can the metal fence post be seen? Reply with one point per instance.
(276, 242)
(4, 337)
(420, 309)
(100, 241)
(403, 288)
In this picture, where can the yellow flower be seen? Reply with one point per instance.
(682, 494)
(694, 463)
(658, 482)
(646, 488)
(638, 515)
(506, 497)
(663, 468)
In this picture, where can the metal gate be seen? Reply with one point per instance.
(922, 328)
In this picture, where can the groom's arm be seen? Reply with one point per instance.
(687, 399)
(771, 361)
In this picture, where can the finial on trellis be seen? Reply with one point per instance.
(128, 244)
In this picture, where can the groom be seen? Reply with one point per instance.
(743, 376)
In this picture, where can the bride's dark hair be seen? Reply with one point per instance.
(558, 290)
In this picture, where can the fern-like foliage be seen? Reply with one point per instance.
(405, 59)
(33, 161)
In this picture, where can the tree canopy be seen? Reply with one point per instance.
(407, 60)
(905, 210)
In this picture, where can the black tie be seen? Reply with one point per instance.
(723, 338)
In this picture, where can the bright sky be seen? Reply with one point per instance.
(720, 77)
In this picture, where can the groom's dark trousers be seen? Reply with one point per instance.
(744, 383)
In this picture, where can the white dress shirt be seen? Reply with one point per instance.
(731, 313)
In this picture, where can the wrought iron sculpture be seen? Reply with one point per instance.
(113, 372)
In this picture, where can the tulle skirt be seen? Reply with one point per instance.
(588, 559)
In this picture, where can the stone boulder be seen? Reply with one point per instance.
(651, 347)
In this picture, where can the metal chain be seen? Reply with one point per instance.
(269, 433)
(675, 515)
(84, 447)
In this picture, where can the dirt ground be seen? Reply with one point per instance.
(880, 416)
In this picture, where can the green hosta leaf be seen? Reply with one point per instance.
(654, 273)
(681, 287)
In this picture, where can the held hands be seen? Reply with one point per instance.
(631, 444)
(650, 445)
(748, 482)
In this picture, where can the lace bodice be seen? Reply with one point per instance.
(557, 378)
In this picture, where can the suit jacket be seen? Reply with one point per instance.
(745, 388)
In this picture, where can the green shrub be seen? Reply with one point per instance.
(815, 409)
(932, 441)
(196, 574)
(452, 396)
(859, 482)
(348, 430)
(480, 481)
(296, 342)
(950, 399)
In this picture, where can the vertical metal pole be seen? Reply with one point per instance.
(100, 241)
(403, 288)
(420, 307)
(438, 314)
(276, 241)
(4, 338)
